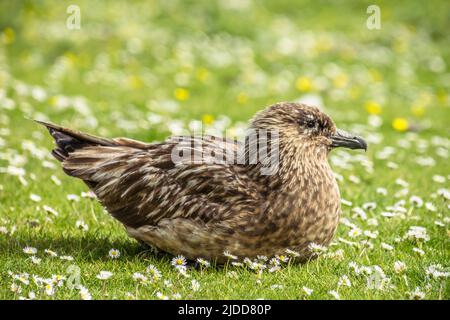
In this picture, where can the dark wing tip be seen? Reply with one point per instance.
(47, 124)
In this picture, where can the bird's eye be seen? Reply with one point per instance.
(310, 123)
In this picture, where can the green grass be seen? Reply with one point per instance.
(125, 63)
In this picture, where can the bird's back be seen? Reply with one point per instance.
(140, 184)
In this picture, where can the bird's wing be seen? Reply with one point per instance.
(140, 184)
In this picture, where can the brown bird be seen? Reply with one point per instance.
(207, 208)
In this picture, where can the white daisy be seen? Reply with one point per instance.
(316, 248)
(161, 296)
(84, 293)
(382, 191)
(73, 197)
(30, 250)
(438, 178)
(386, 246)
(437, 271)
(154, 272)
(308, 291)
(344, 281)
(50, 210)
(23, 277)
(419, 251)
(49, 289)
(114, 254)
(35, 197)
(179, 261)
(417, 294)
(335, 294)
(104, 275)
(416, 201)
(51, 253)
(295, 254)
(399, 267)
(229, 255)
(80, 224)
(35, 260)
(55, 180)
(203, 263)
(195, 285)
(430, 207)
(355, 232)
(417, 233)
(140, 277)
(15, 288)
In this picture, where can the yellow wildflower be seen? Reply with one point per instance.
(135, 82)
(400, 124)
(8, 36)
(373, 107)
(181, 94)
(207, 118)
(354, 92)
(375, 75)
(304, 84)
(418, 110)
(71, 58)
(53, 100)
(323, 45)
(400, 46)
(202, 74)
(340, 81)
(242, 98)
(442, 97)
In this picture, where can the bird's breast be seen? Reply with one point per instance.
(309, 208)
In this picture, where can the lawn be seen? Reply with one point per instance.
(149, 70)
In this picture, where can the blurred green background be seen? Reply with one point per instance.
(146, 69)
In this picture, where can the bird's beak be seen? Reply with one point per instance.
(344, 139)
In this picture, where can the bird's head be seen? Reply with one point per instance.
(306, 126)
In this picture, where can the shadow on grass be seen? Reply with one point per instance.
(88, 248)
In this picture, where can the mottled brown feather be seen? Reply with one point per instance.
(201, 209)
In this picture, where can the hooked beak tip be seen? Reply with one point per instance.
(362, 143)
(344, 139)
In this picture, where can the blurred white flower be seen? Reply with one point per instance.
(73, 197)
(80, 224)
(335, 294)
(430, 207)
(114, 253)
(344, 281)
(140, 277)
(386, 246)
(416, 201)
(195, 285)
(355, 232)
(382, 191)
(30, 250)
(35, 197)
(417, 233)
(84, 293)
(399, 267)
(437, 271)
(308, 291)
(104, 275)
(417, 294)
(419, 251)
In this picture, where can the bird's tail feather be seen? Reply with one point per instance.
(90, 158)
(68, 140)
